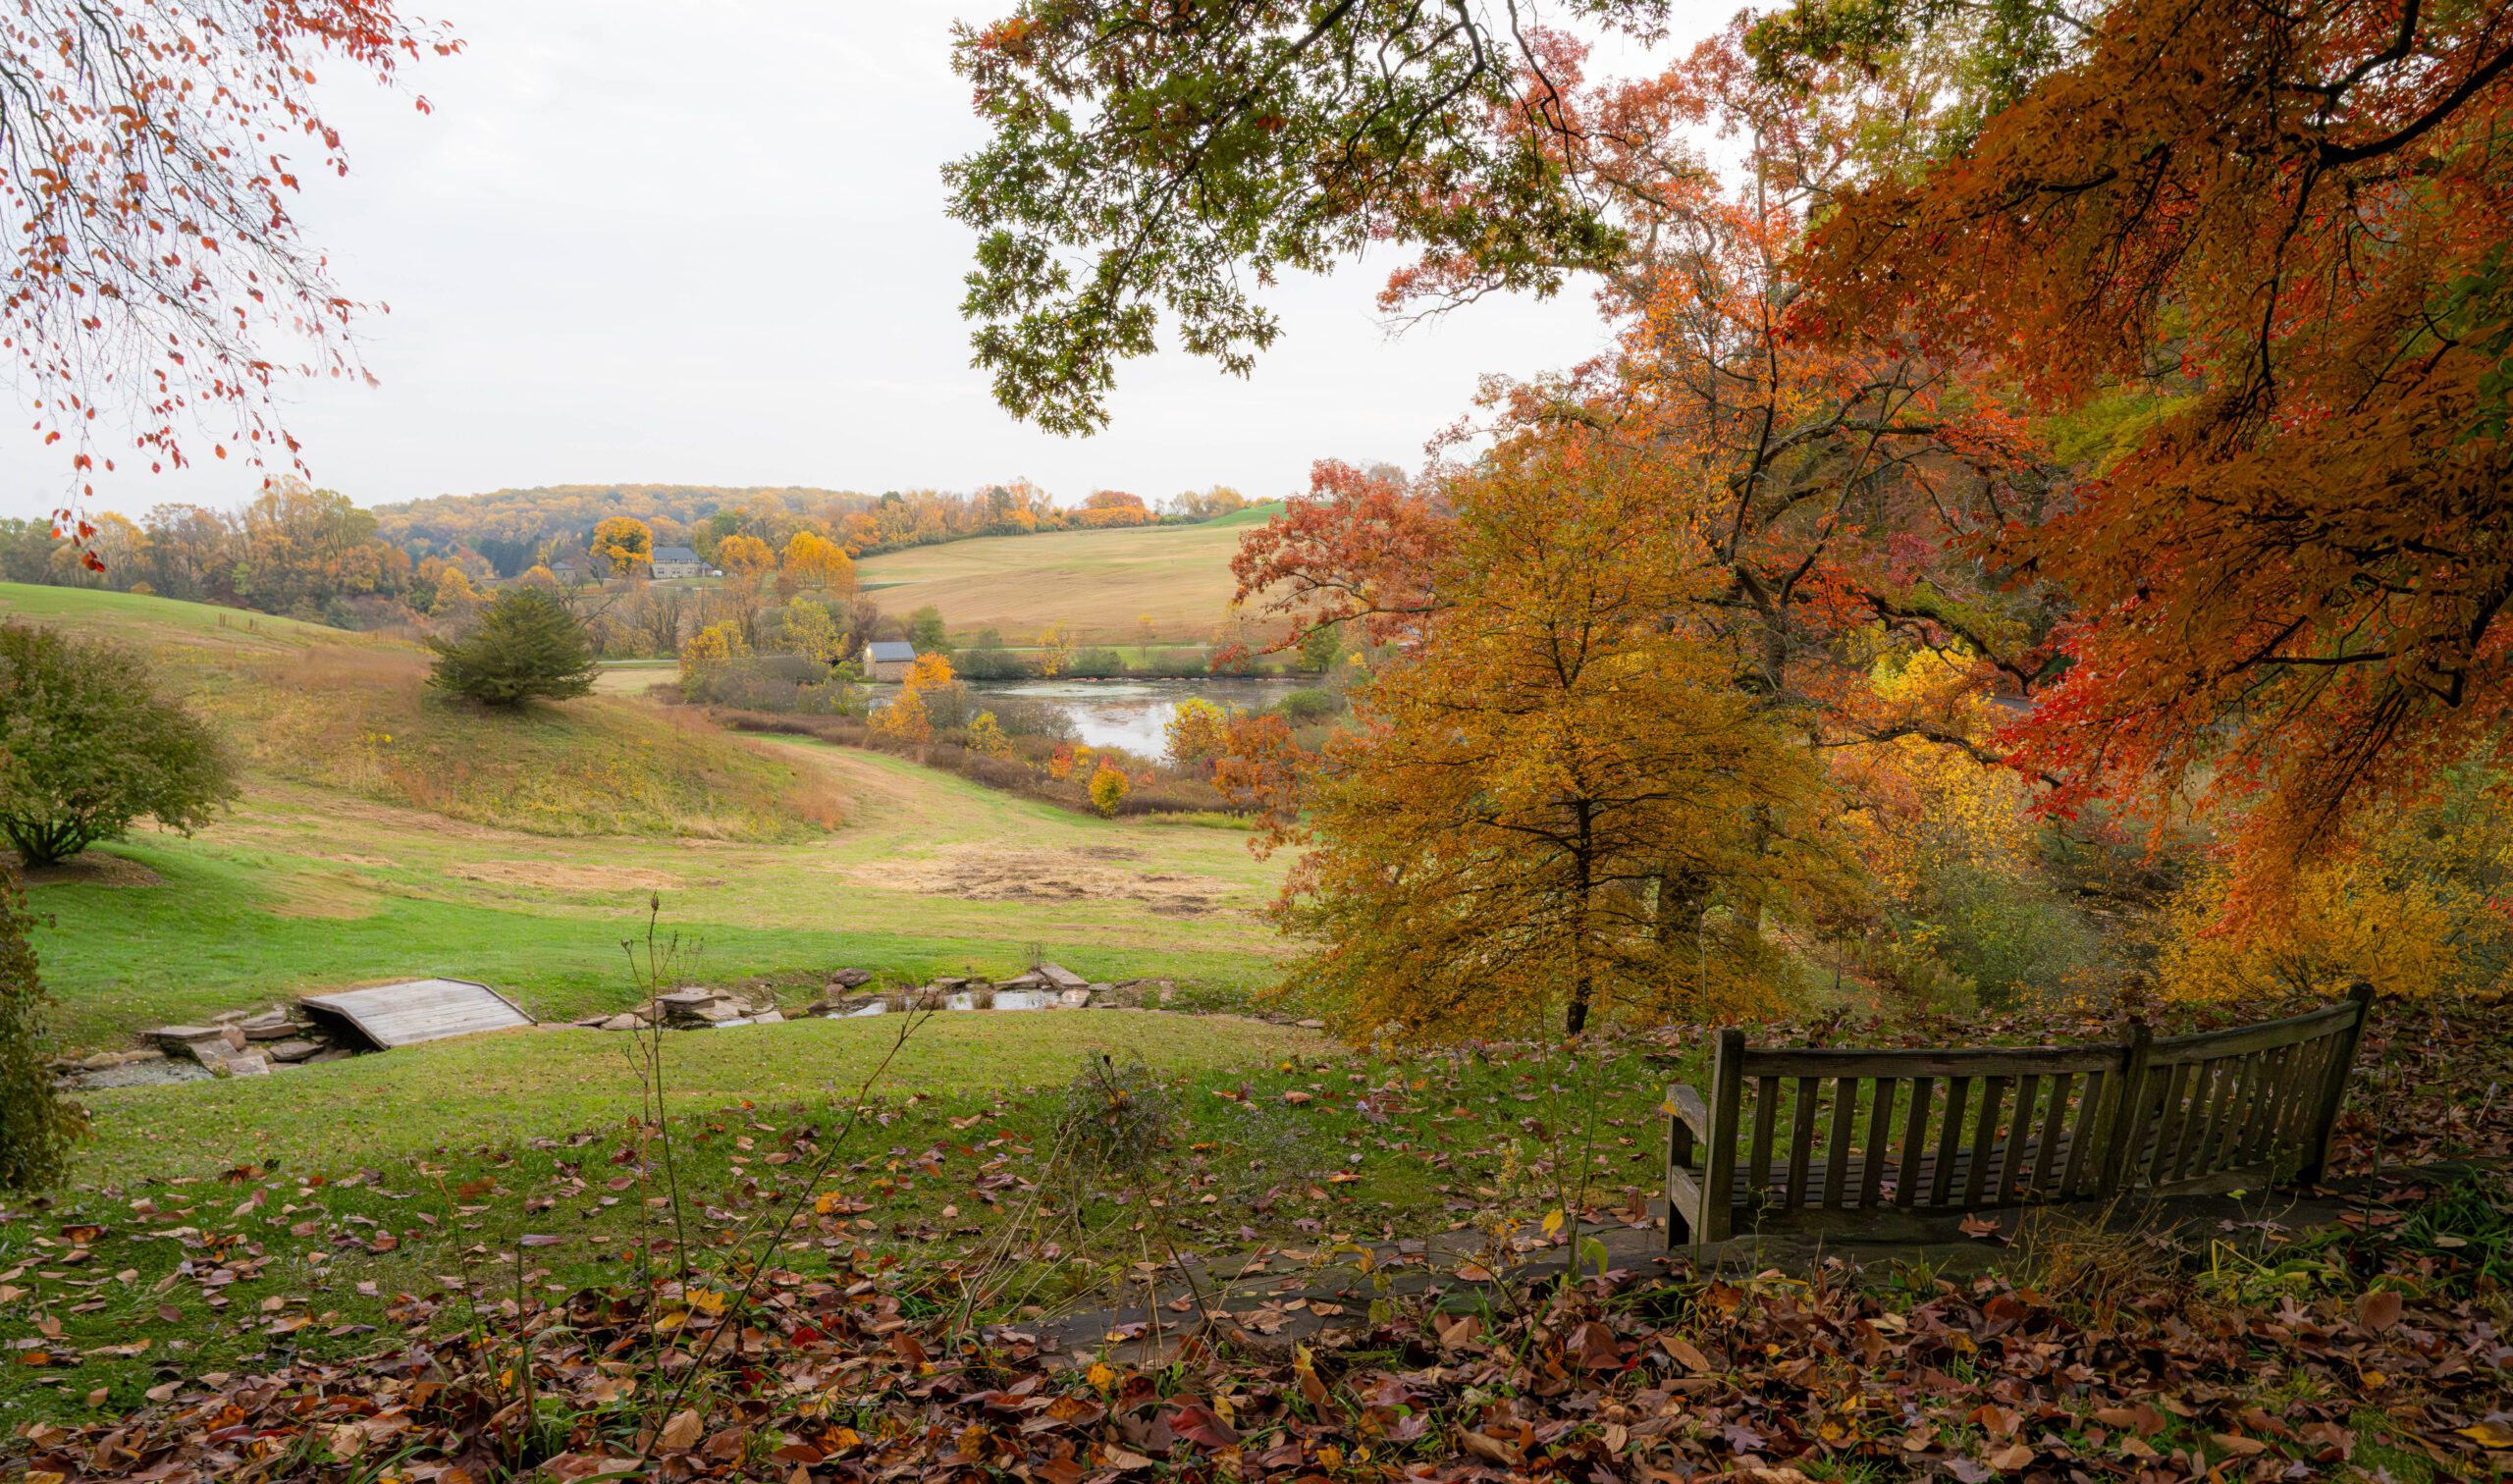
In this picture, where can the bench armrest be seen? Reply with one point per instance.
(1685, 1103)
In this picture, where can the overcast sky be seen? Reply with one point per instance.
(629, 246)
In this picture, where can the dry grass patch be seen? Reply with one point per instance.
(1005, 874)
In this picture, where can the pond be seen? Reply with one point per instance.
(1134, 714)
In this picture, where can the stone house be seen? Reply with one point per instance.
(888, 659)
(678, 561)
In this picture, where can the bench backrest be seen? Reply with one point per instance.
(1934, 1131)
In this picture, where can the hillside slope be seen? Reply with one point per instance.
(305, 704)
(1100, 583)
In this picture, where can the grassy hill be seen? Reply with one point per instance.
(305, 704)
(1101, 582)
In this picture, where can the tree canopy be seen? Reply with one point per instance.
(87, 747)
(527, 646)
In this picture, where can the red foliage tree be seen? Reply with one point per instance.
(153, 270)
(2270, 243)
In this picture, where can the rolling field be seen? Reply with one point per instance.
(777, 860)
(1098, 582)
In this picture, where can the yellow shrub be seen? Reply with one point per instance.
(1108, 788)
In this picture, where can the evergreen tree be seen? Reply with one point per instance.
(36, 1124)
(527, 645)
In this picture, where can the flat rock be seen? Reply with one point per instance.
(850, 978)
(293, 1051)
(621, 1022)
(769, 1017)
(200, 1042)
(681, 998)
(1073, 999)
(272, 1026)
(242, 1064)
(1061, 977)
(1311, 1025)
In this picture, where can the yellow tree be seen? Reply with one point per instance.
(814, 561)
(812, 633)
(906, 719)
(1199, 731)
(713, 645)
(1556, 801)
(1055, 650)
(745, 556)
(986, 736)
(454, 592)
(626, 544)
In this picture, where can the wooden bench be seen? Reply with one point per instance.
(1895, 1144)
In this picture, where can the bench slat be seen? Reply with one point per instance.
(2013, 1184)
(1985, 1131)
(1906, 1176)
(1950, 1137)
(1880, 1139)
(1802, 1144)
(2072, 1176)
(1766, 1119)
(1836, 1159)
(1977, 1061)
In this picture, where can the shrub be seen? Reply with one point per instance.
(1311, 704)
(1171, 663)
(1021, 716)
(527, 646)
(991, 662)
(1110, 786)
(36, 1124)
(86, 747)
(788, 684)
(1097, 664)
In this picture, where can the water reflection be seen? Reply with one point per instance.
(1134, 714)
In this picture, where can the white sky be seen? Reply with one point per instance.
(631, 247)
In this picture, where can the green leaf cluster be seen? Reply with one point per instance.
(1151, 158)
(527, 646)
(37, 1124)
(87, 746)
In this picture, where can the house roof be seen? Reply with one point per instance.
(675, 553)
(890, 651)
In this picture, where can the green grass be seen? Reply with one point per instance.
(1256, 514)
(490, 1091)
(301, 890)
(424, 1161)
(140, 619)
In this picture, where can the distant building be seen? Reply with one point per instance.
(888, 659)
(566, 572)
(678, 561)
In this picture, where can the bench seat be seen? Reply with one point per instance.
(1824, 1139)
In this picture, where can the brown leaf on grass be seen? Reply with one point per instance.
(1492, 1450)
(682, 1430)
(2378, 1309)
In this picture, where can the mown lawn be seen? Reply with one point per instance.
(224, 1226)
